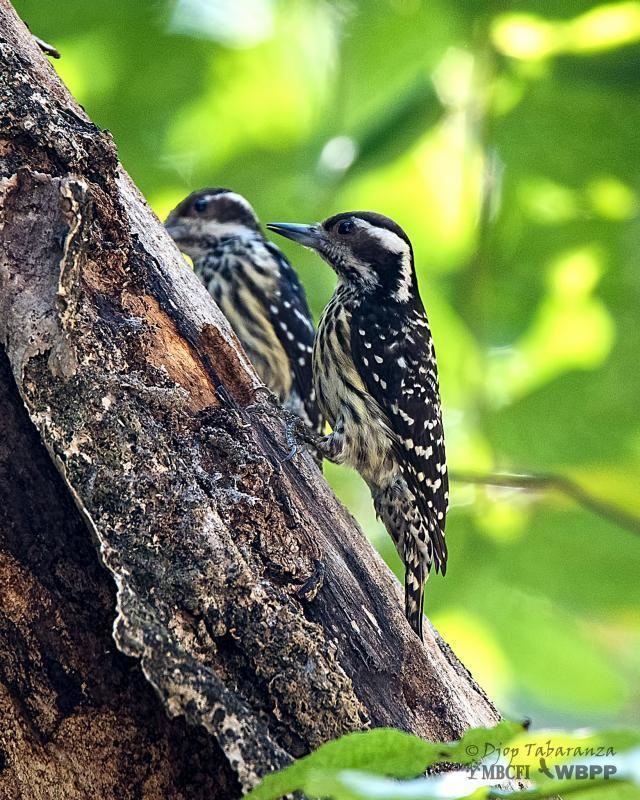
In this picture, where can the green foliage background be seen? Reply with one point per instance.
(505, 138)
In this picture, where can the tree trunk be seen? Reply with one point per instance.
(252, 619)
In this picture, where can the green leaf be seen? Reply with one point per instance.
(382, 751)
(404, 121)
(360, 786)
(478, 742)
(369, 765)
(355, 785)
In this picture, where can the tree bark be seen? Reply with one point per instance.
(252, 620)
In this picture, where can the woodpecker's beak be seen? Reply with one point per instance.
(171, 224)
(177, 229)
(307, 235)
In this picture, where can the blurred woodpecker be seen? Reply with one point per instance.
(256, 289)
(376, 380)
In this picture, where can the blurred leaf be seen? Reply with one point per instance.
(383, 751)
(360, 786)
(562, 763)
(404, 121)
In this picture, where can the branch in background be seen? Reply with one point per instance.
(545, 482)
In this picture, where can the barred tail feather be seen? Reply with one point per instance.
(414, 579)
(396, 507)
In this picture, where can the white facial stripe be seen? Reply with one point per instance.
(388, 239)
(212, 227)
(395, 244)
(240, 200)
(193, 230)
(403, 292)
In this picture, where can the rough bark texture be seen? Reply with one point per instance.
(145, 403)
(78, 719)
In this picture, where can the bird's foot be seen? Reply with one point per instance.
(296, 431)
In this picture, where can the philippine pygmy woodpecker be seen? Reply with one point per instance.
(376, 380)
(256, 289)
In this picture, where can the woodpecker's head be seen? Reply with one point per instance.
(207, 216)
(364, 248)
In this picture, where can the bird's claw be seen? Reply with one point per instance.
(296, 432)
(267, 402)
(292, 428)
(290, 454)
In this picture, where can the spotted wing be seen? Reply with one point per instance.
(395, 358)
(291, 319)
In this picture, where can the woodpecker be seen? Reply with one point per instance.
(257, 290)
(376, 379)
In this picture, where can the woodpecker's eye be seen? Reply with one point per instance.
(200, 205)
(346, 227)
